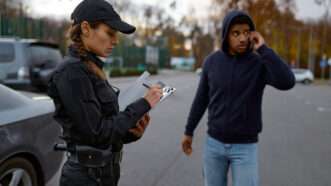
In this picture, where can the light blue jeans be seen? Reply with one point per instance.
(219, 157)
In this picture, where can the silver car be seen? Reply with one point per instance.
(27, 62)
(27, 134)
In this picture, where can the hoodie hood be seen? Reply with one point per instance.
(227, 23)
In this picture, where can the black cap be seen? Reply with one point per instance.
(100, 10)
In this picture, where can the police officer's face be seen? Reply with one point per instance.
(100, 40)
(238, 38)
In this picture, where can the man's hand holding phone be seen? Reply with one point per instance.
(257, 40)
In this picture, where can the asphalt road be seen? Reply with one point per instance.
(294, 147)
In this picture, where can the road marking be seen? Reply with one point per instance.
(322, 109)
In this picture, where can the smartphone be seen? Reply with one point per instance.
(251, 44)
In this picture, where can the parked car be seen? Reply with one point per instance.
(198, 71)
(304, 76)
(27, 62)
(28, 134)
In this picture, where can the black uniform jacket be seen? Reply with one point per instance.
(87, 106)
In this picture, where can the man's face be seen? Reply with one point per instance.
(238, 38)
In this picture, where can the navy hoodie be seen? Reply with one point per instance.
(231, 87)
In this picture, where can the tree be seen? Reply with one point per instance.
(324, 36)
(327, 5)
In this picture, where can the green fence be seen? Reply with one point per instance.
(135, 57)
(21, 27)
(123, 56)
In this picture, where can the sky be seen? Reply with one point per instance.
(306, 9)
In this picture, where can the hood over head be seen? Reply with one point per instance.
(228, 22)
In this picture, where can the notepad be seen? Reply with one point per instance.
(137, 90)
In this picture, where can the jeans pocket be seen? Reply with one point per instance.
(213, 145)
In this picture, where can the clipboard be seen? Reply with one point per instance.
(138, 89)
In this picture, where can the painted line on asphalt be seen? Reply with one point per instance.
(319, 108)
(323, 109)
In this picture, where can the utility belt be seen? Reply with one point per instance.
(89, 156)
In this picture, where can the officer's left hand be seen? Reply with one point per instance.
(141, 126)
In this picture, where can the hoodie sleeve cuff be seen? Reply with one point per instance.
(262, 50)
(188, 133)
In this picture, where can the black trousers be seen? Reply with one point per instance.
(75, 174)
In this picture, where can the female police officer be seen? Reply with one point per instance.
(87, 106)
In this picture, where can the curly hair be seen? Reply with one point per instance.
(75, 33)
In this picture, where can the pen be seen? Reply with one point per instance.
(147, 86)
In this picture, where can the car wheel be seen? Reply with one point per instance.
(306, 81)
(18, 171)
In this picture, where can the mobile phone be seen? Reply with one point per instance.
(252, 42)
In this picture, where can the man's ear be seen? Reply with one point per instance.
(86, 28)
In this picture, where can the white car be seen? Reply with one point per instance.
(198, 71)
(304, 76)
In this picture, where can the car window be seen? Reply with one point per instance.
(299, 71)
(7, 52)
(44, 57)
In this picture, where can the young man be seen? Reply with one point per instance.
(231, 86)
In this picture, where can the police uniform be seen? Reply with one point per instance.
(88, 111)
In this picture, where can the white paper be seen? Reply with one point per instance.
(136, 90)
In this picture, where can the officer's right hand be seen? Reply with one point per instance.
(187, 145)
(153, 95)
